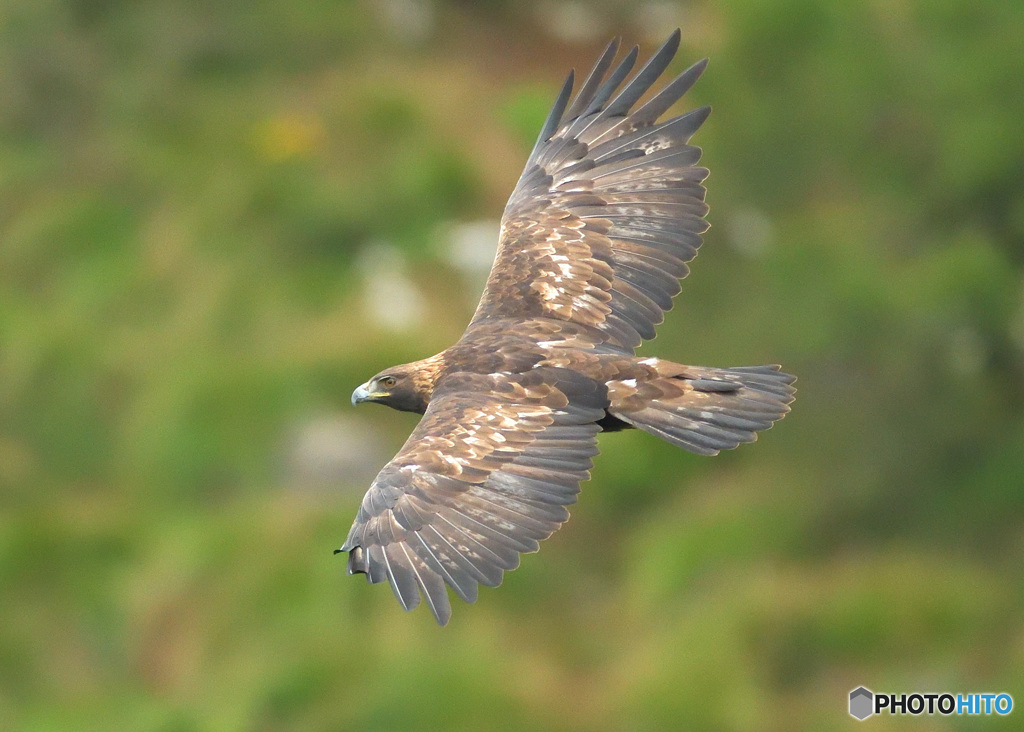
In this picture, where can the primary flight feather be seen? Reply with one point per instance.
(593, 243)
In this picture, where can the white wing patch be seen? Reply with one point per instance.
(546, 290)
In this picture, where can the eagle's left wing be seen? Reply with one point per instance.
(609, 209)
(486, 475)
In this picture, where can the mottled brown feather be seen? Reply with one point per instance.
(462, 499)
(592, 195)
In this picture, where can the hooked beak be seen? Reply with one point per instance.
(361, 393)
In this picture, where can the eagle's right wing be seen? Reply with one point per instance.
(485, 476)
(609, 209)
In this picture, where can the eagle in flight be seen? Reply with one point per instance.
(593, 243)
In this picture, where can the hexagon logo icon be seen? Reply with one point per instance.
(861, 703)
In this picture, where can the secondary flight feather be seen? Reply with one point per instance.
(594, 240)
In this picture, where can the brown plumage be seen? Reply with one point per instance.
(594, 241)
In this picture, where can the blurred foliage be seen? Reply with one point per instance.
(193, 197)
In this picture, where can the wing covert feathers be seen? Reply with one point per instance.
(609, 208)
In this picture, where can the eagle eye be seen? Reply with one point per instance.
(388, 381)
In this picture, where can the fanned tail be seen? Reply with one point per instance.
(701, 409)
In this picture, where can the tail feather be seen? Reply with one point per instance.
(700, 409)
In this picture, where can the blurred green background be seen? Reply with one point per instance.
(217, 218)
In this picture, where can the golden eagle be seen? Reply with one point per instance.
(593, 243)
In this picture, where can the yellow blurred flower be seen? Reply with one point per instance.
(289, 136)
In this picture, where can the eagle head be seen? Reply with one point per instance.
(399, 387)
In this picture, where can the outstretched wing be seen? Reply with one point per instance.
(485, 476)
(609, 209)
